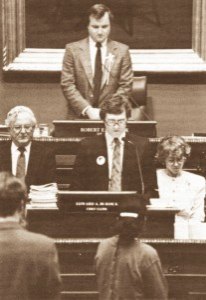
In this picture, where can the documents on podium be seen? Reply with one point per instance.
(43, 196)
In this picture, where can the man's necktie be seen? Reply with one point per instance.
(97, 75)
(21, 164)
(115, 183)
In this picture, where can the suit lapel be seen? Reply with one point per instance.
(128, 157)
(6, 157)
(111, 49)
(102, 169)
(130, 167)
(85, 60)
(33, 163)
(102, 151)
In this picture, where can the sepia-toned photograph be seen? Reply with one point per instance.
(103, 150)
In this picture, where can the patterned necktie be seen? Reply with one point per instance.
(115, 183)
(97, 75)
(21, 164)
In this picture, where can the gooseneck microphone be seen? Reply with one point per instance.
(138, 162)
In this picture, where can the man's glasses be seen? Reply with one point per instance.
(120, 122)
(19, 128)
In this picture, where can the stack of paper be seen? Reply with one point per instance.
(43, 196)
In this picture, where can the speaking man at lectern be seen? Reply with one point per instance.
(95, 68)
(115, 160)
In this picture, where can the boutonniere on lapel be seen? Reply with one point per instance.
(109, 60)
(100, 160)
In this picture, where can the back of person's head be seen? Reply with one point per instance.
(131, 218)
(12, 193)
(116, 105)
(20, 110)
(174, 146)
(97, 11)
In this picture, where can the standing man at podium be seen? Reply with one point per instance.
(115, 160)
(95, 68)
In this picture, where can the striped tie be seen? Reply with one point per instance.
(115, 183)
(21, 164)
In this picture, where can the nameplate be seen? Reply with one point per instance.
(85, 128)
(92, 201)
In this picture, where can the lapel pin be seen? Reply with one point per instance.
(101, 160)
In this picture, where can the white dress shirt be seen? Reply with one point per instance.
(15, 155)
(187, 192)
(110, 150)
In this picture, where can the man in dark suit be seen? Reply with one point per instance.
(35, 164)
(115, 160)
(29, 268)
(95, 68)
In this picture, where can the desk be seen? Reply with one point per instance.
(97, 224)
(183, 261)
(85, 128)
(77, 237)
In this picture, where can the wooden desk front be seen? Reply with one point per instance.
(184, 261)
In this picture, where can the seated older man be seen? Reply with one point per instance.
(23, 157)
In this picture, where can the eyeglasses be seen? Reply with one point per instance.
(112, 122)
(19, 128)
(176, 160)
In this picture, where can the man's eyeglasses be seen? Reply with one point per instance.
(116, 122)
(19, 128)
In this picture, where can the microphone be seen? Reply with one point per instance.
(138, 162)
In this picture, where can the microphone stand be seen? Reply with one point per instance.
(139, 164)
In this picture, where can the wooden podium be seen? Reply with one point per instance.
(84, 128)
(183, 260)
(93, 215)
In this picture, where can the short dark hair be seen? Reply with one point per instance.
(116, 105)
(131, 220)
(12, 192)
(98, 10)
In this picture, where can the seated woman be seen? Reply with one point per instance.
(179, 188)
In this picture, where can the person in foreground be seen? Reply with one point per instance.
(95, 68)
(115, 160)
(127, 268)
(177, 187)
(23, 157)
(29, 267)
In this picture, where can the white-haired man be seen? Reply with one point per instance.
(23, 157)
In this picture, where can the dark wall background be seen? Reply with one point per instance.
(178, 108)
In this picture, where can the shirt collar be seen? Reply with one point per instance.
(14, 147)
(92, 43)
(110, 138)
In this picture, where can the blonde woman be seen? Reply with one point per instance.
(177, 187)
